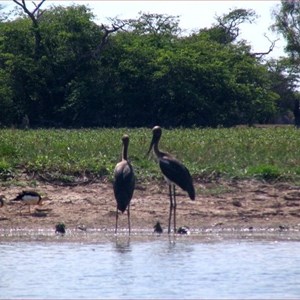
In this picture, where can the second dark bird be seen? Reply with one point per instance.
(174, 172)
(124, 183)
(2, 197)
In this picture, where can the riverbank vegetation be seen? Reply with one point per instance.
(59, 68)
(67, 156)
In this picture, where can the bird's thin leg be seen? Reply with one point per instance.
(117, 215)
(174, 206)
(128, 213)
(171, 208)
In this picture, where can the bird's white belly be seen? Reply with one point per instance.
(30, 200)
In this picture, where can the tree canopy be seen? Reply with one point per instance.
(60, 68)
(287, 23)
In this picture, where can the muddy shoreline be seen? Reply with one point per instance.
(247, 208)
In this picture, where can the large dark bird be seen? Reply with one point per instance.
(29, 198)
(174, 172)
(124, 182)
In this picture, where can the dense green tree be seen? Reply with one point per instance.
(283, 82)
(215, 85)
(55, 87)
(83, 74)
(69, 37)
(34, 16)
(227, 29)
(186, 81)
(287, 23)
(17, 66)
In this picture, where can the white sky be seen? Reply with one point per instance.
(193, 15)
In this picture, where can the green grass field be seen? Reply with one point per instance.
(266, 153)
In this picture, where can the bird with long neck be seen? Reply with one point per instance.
(174, 172)
(124, 183)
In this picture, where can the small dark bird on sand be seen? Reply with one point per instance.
(60, 228)
(157, 228)
(183, 230)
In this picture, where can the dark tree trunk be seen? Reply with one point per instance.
(34, 16)
(297, 113)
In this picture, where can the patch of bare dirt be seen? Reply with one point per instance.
(239, 204)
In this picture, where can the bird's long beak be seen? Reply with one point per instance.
(151, 146)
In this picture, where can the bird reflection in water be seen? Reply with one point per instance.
(123, 244)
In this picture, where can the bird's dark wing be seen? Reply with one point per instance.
(124, 183)
(31, 193)
(19, 197)
(176, 172)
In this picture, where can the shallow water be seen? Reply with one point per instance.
(157, 267)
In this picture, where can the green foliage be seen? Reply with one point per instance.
(227, 29)
(285, 74)
(284, 83)
(5, 170)
(267, 172)
(188, 81)
(4, 166)
(156, 24)
(7, 150)
(64, 155)
(287, 23)
(63, 71)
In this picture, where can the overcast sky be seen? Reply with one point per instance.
(192, 15)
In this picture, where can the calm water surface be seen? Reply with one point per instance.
(158, 268)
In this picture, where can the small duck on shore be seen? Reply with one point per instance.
(28, 198)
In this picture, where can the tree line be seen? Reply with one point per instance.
(58, 68)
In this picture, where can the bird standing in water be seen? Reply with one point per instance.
(29, 198)
(174, 172)
(124, 183)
